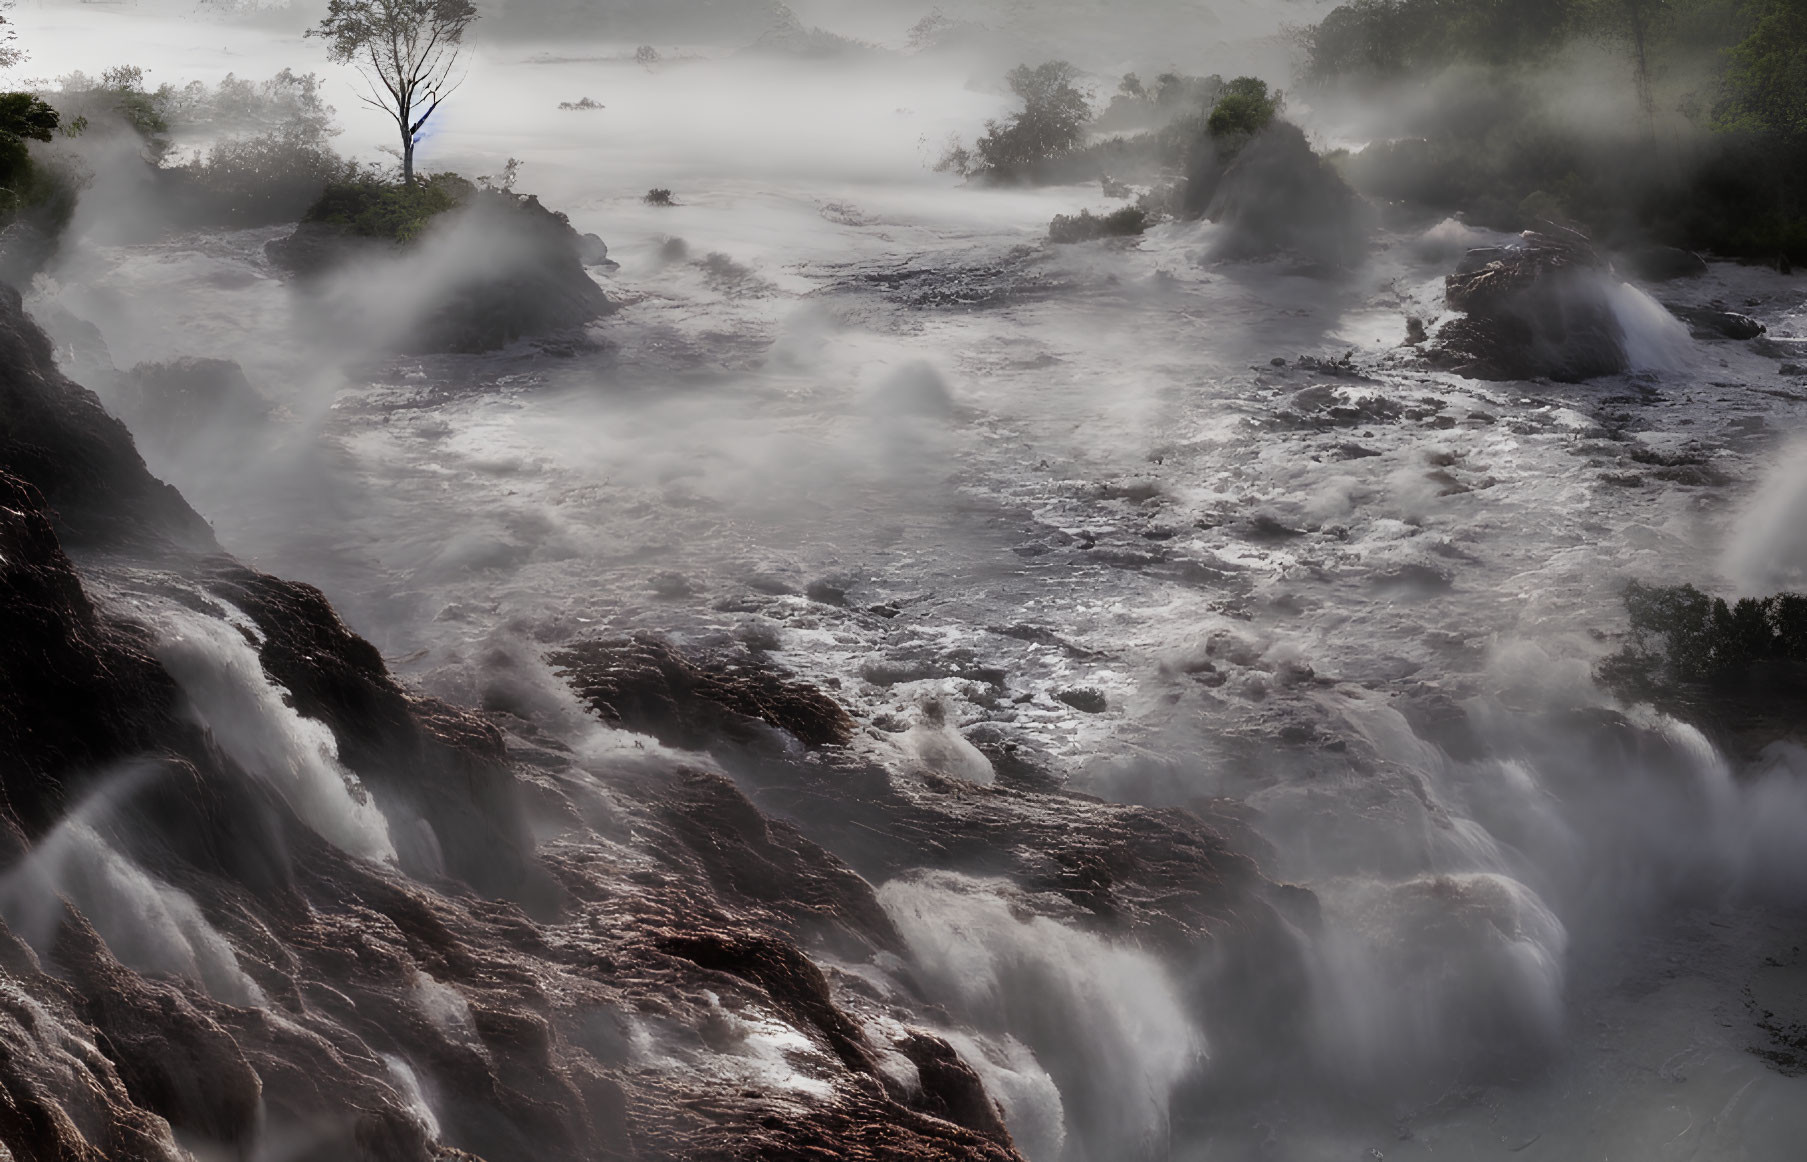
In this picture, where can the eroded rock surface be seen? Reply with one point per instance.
(498, 269)
(1534, 310)
(258, 895)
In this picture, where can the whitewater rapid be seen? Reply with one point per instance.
(1098, 506)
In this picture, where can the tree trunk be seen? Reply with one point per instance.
(407, 159)
(1641, 61)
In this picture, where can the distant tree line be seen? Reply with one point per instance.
(1716, 158)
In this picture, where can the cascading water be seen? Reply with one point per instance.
(898, 673)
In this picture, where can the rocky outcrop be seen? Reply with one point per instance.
(1660, 263)
(564, 958)
(1273, 195)
(187, 963)
(525, 277)
(1163, 879)
(1535, 310)
(63, 662)
(187, 404)
(316, 248)
(644, 685)
(537, 286)
(26, 247)
(1714, 323)
(56, 436)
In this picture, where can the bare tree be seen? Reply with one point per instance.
(406, 50)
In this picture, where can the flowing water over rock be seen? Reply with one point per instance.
(895, 688)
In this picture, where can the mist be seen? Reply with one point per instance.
(732, 635)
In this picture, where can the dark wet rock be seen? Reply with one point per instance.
(56, 436)
(317, 248)
(827, 593)
(674, 586)
(81, 349)
(769, 585)
(1019, 763)
(173, 405)
(951, 1089)
(1536, 309)
(897, 671)
(1042, 635)
(1712, 323)
(644, 684)
(172, 1057)
(425, 759)
(501, 980)
(527, 278)
(25, 249)
(538, 286)
(63, 1098)
(795, 986)
(1019, 276)
(1169, 870)
(1268, 530)
(1661, 263)
(853, 1128)
(1276, 196)
(1323, 406)
(1168, 880)
(593, 251)
(1134, 491)
(764, 865)
(61, 662)
(1085, 698)
(1343, 368)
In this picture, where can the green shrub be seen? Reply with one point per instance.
(1245, 108)
(1086, 226)
(252, 181)
(118, 100)
(373, 207)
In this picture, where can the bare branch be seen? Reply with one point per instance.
(412, 46)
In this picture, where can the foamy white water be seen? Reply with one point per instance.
(1529, 948)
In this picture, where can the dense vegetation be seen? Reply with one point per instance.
(371, 206)
(1681, 637)
(1050, 126)
(1086, 226)
(23, 118)
(1148, 132)
(1203, 147)
(268, 151)
(1244, 108)
(1680, 121)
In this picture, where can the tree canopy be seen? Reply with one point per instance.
(407, 51)
(1052, 123)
